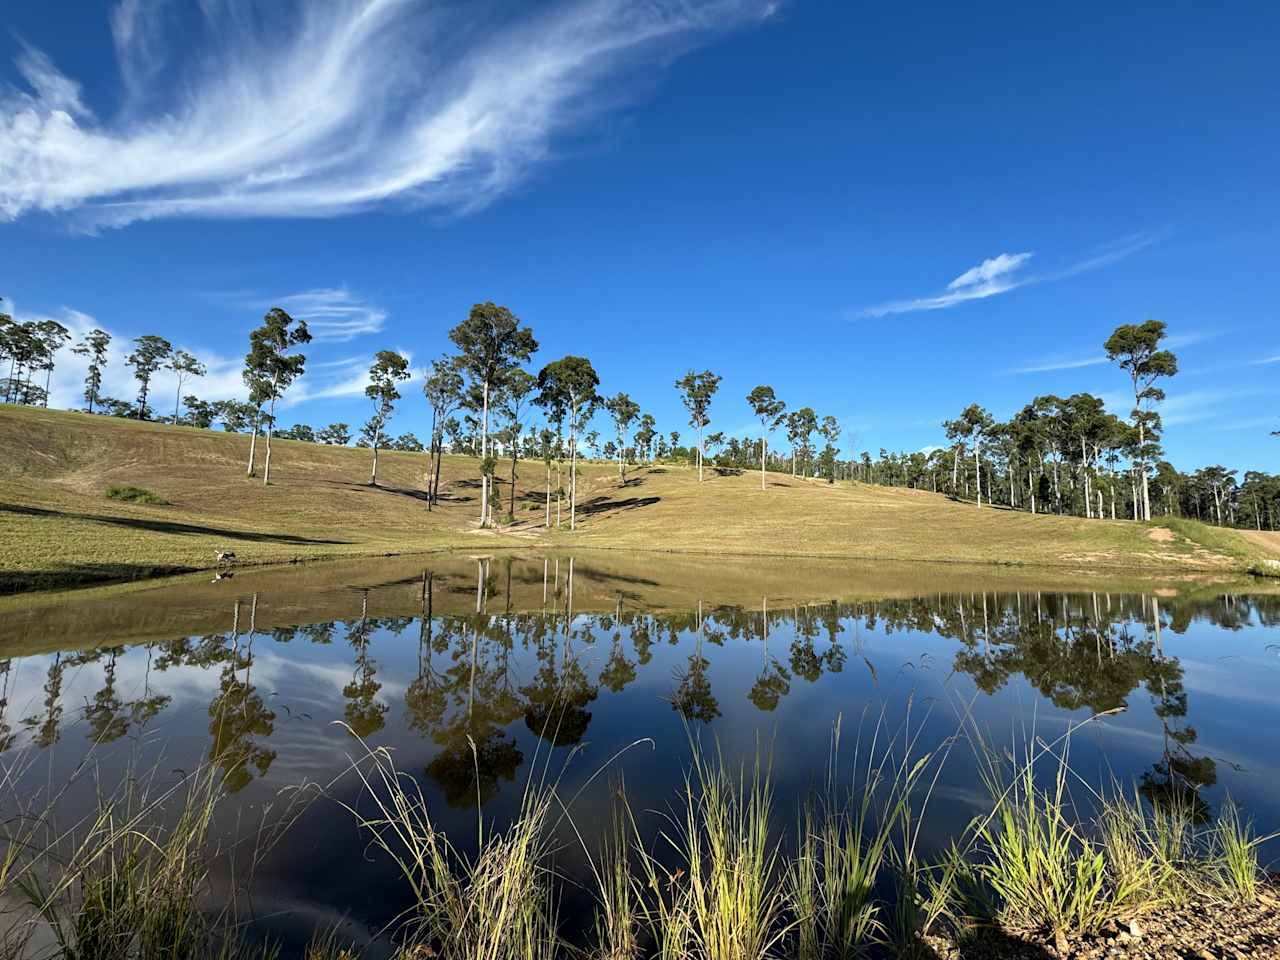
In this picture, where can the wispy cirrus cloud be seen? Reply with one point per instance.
(333, 314)
(1003, 273)
(994, 275)
(1076, 363)
(1175, 342)
(1266, 360)
(330, 106)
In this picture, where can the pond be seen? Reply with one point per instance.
(481, 673)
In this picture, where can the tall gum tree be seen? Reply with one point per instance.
(1135, 347)
(517, 386)
(94, 346)
(696, 391)
(622, 410)
(389, 369)
(570, 384)
(185, 367)
(442, 387)
(274, 366)
(770, 411)
(490, 342)
(149, 354)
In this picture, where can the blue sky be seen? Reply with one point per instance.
(884, 212)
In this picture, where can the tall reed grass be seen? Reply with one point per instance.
(718, 877)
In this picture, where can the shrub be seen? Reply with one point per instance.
(131, 494)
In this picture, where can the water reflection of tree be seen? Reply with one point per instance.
(364, 713)
(477, 754)
(693, 698)
(1079, 659)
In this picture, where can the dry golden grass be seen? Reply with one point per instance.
(58, 527)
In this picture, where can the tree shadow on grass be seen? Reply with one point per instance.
(167, 526)
(604, 505)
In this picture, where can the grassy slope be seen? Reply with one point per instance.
(56, 525)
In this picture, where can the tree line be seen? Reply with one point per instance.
(1061, 455)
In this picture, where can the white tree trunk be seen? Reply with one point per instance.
(484, 455)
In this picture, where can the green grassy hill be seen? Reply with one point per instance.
(58, 526)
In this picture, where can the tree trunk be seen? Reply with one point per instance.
(253, 441)
(699, 453)
(435, 487)
(547, 523)
(977, 471)
(373, 474)
(484, 455)
(511, 509)
(271, 426)
(622, 479)
(177, 401)
(573, 468)
(48, 379)
(764, 453)
(1142, 467)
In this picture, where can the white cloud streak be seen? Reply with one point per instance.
(1049, 365)
(329, 106)
(994, 275)
(1001, 274)
(333, 315)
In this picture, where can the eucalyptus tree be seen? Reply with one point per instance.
(974, 423)
(53, 336)
(149, 354)
(271, 366)
(334, 435)
(645, 436)
(569, 385)
(185, 367)
(696, 391)
(800, 426)
(622, 410)
(830, 431)
(442, 387)
(1136, 349)
(6, 334)
(389, 369)
(770, 411)
(517, 387)
(491, 342)
(547, 450)
(94, 346)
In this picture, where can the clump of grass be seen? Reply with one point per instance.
(1265, 568)
(845, 845)
(1233, 854)
(1046, 873)
(725, 899)
(736, 900)
(497, 904)
(132, 494)
(618, 912)
(1149, 854)
(119, 885)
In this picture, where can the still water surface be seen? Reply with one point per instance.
(552, 665)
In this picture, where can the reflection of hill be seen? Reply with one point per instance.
(323, 593)
(1080, 651)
